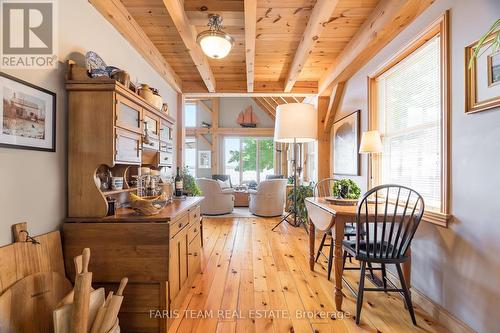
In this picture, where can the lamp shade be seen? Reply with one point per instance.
(370, 143)
(295, 122)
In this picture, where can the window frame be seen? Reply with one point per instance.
(257, 158)
(438, 27)
(195, 113)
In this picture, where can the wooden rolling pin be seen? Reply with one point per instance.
(113, 308)
(68, 299)
(83, 282)
(100, 314)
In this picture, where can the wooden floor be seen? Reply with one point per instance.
(262, 282)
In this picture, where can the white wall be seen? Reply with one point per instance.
(33, 184)
(458, 267)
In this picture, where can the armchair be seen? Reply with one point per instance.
(268, 199)
(217, 201)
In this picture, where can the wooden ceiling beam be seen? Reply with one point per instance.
(274, 88)
(188, 35)
(320, 15)
(333, 106)
(250, 29)
(263, 107)
(116, 13)
(386, 21)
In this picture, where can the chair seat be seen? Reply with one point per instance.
(350, 247)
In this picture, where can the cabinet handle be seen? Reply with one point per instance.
(180, 225)
(195, 230)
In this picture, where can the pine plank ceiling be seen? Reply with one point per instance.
(280, 26)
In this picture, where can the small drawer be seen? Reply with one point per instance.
(153, 145)
(165, 159)
(178, 224)
(194, 214)
(194, 230)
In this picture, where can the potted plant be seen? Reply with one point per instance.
(191, 189)
(302, 191)
(346, 189)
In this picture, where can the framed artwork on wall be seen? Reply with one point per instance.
(345, 137)
(28, 115)
(204, 159)
(482, 79)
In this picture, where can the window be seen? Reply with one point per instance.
(408, 107)
(190, 115)
(190, 155)
(248, 159)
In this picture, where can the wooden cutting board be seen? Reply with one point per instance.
(27, 305)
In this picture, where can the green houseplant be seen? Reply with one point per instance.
(303, 191)
(495, 45)
(191, 189)
(346, 189)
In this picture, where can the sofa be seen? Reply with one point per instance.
(268, 200)
(217, 200)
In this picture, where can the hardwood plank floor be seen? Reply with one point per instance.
(257, 280)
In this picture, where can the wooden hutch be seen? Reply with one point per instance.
(160, 254)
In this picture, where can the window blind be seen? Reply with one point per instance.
(409, 120)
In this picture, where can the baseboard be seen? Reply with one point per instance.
(434, 310)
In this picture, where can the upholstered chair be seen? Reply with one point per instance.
(268, 199)
(217, 201)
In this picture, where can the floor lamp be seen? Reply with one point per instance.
(295, 123)
(370, 144)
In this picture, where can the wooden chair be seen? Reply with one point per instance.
(324, 188)
(390, 216)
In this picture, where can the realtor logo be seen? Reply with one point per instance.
(28, 34)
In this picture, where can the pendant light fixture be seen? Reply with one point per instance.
(214, 42)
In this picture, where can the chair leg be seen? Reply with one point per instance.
(330, 259)
(384, 277)
(344, 257)
(406, 294)
(349, 256)
(321, 246)
(371, 271)
(359, 301)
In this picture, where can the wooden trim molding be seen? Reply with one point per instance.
(441, 27)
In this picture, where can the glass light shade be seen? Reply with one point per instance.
(370, 143)
(296, 122)
(215, 44)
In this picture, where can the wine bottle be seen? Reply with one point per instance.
(178, 184)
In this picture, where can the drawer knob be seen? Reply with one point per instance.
(180, 225)
(195, 230)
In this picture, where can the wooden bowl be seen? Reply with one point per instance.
(342, 202)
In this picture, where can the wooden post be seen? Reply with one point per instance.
(323, 139)
(181, 131)
(215, 135)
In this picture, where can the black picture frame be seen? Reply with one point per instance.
(355, 154)
(52, 123)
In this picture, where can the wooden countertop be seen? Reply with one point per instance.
(176, 208)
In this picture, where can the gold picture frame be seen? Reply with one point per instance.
(472, 102)
(493, 62)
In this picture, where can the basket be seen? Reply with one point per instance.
(148, 205)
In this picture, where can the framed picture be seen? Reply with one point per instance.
(204, 159)
(28, 115)
(345, 136)
(482, 80)
(494, 69)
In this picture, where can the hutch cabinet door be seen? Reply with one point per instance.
(194, 257)
(127, 147)
(166, 132)
(128, 114)
(152, 122)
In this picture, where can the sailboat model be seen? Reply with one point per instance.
(247, 118)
